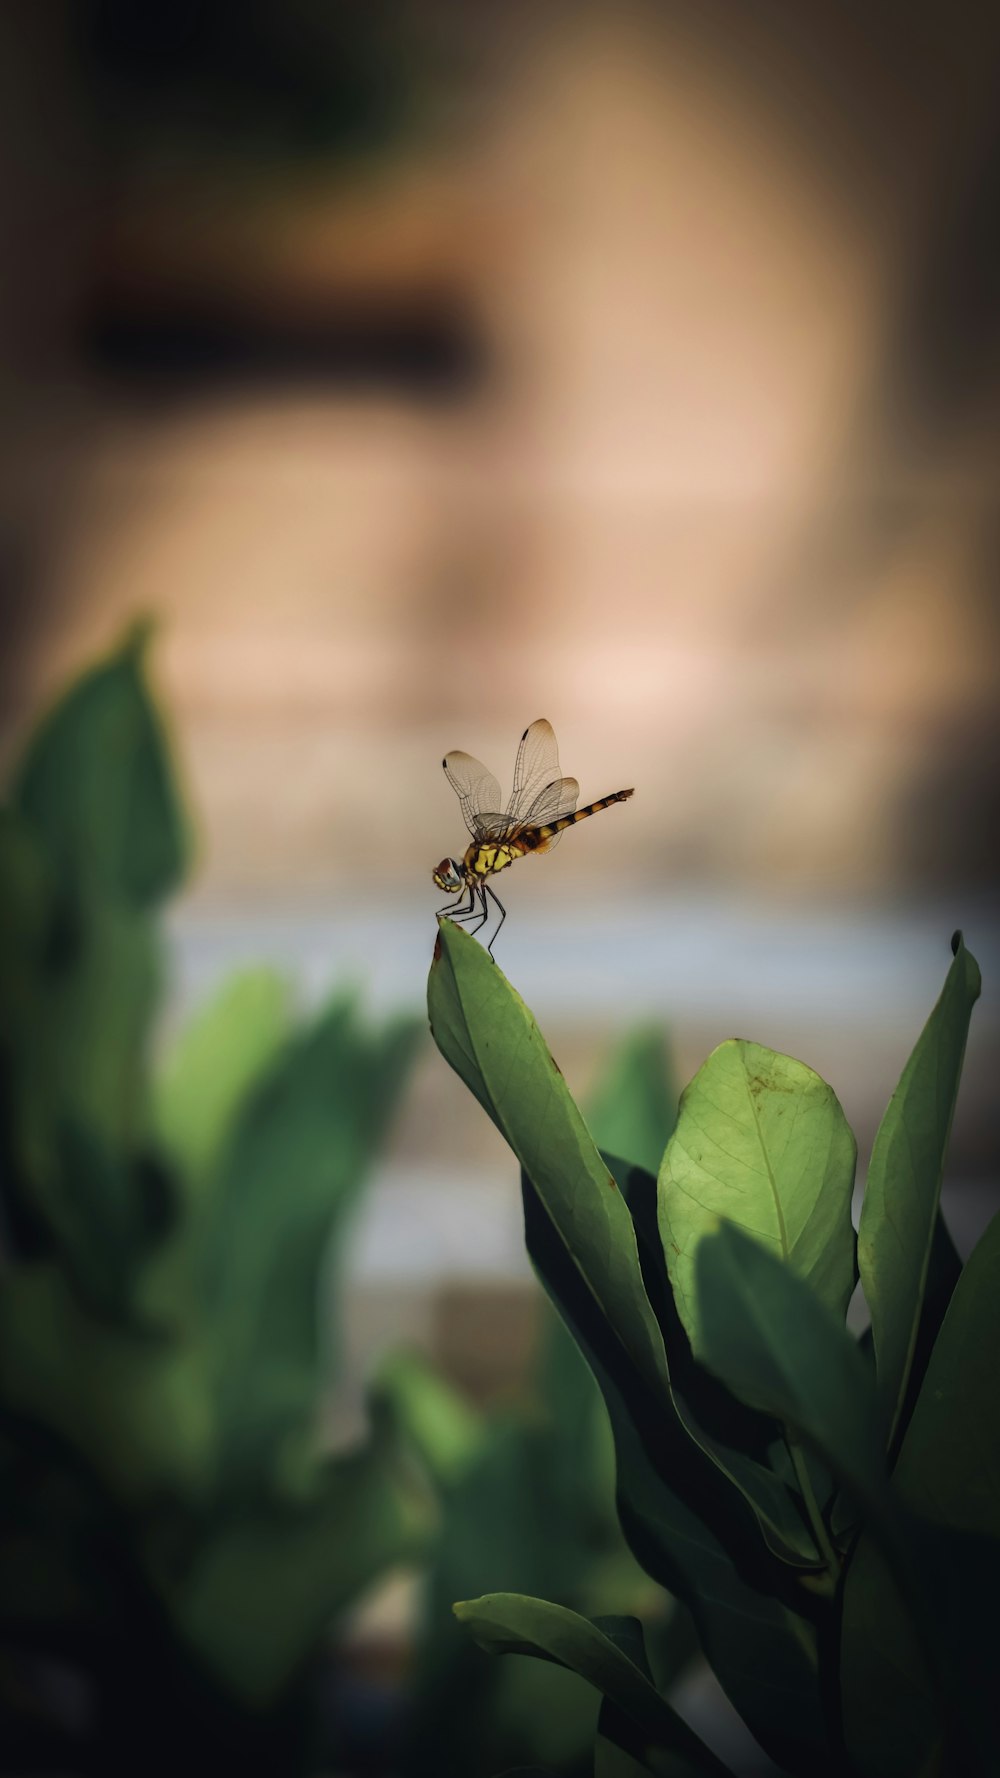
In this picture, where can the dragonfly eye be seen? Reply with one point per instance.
(448, 876)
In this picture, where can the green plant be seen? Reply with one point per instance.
(827, 1508)
(174, 1530)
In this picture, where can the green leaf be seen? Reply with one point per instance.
(949, 1465)
(904, 1182)
(744, 1446)
(623, 1750)
(510, 1623)
(892, 1718)
(95, 786)
(762, 1141)
(259, 1594)
(292, 1171)
(138, 1411)
(107, 1211)
(484, 1030)
(214, 1064)
(693, 1535)
(633, 1108)
(781, 1349)
(446, 1431)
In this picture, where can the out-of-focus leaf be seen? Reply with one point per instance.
(106, 981)
(633, 1108)
(484, 1030)
(257, 1596)
(510, 1623)
(95, 786)
(762, 1141)
(292, 1171)
(676, 1511)
(139, 1412)
(904, 1182)
(107, 1211)
(441, 1425)
(213, 1066)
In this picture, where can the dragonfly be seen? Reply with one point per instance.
(542, 805)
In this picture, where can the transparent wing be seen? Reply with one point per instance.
(557, 799)
(478, 793)
(536, 768)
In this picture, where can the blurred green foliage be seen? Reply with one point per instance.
(174, 1531)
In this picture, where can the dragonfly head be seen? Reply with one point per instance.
(448, 876)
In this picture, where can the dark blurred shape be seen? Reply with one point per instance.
(423, 349)
(257, 77)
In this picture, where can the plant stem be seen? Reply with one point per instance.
(804, 1480)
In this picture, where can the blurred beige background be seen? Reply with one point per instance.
(637, 367)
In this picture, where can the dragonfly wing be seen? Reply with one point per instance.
(536, 768)
(557, 799)
(478, 793)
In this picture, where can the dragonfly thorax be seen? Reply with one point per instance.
(449, 876)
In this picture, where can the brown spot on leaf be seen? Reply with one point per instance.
(612, 1182)
(555, 1063)
(437, 947)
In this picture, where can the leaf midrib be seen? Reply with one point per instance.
(767, 1161)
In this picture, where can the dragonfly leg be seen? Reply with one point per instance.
(481, 890)
(503, 915)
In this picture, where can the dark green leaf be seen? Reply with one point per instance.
(892, 1717)
(633, 1109)
(484, 1030)
(510, 1623)
(695, 1537)
(949, 1465)
(95, 786)
(623, 1749)
(762, 1329)
(762, 1141)
(139, 1411)
(744, 1446)
(904, 1182)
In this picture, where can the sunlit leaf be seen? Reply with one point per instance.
(762, 1141)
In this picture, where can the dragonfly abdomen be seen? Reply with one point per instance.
(548, 832)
